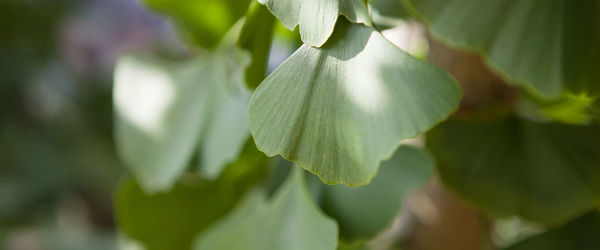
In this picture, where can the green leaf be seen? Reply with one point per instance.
(256, 37)
(163, 108)
(290, 221)
(317, 18)
(204, 22)
(171, 220)
(341, 109)
(365, 211)
(549, 46)
(579, 234)
(545, 172)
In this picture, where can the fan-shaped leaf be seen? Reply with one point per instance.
(546, 172)
(291, 221)
(317, 18)
(163, 108)
(550, 46)
(341, 109)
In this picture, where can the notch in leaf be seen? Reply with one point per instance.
(317, 18)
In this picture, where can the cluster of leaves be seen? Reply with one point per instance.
(339, 106)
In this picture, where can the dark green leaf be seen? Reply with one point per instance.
(256, 37)
(579, 234)
(545, 172)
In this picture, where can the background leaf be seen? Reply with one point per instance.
(256, 38)
(171, 220)
(546, 172)
(164, 108)
(549, 46)
(365, 211)
(291, 221)
(341, 109)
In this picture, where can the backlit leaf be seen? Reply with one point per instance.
(164, 108)
(342, 109)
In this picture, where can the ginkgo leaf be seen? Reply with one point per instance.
(317, 18)
(341, 109)
(173, 219)
(545, 172)
(365, 211)
(164, 108)
(550, 46)
(290, 221)
(205, 22)
(579, 234)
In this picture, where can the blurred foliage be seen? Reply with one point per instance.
(581, 233)
(379, 202)
(545, 172)
(557, 50)
(204, 22)
(289, 221)
(171, 220)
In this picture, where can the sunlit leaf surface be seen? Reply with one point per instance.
(547, 45)
(364, 211)
(290, 221)
(205, 22)
(546, 172)
(164, 108)
(579, 234)
(341, 109)
(317, 18)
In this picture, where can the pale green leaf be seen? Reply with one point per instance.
(164, 108)
(341, 109)
(317, 18)
(365, 211)
(547, 45)
(579, 234)
(290, 221)
(545, 172)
